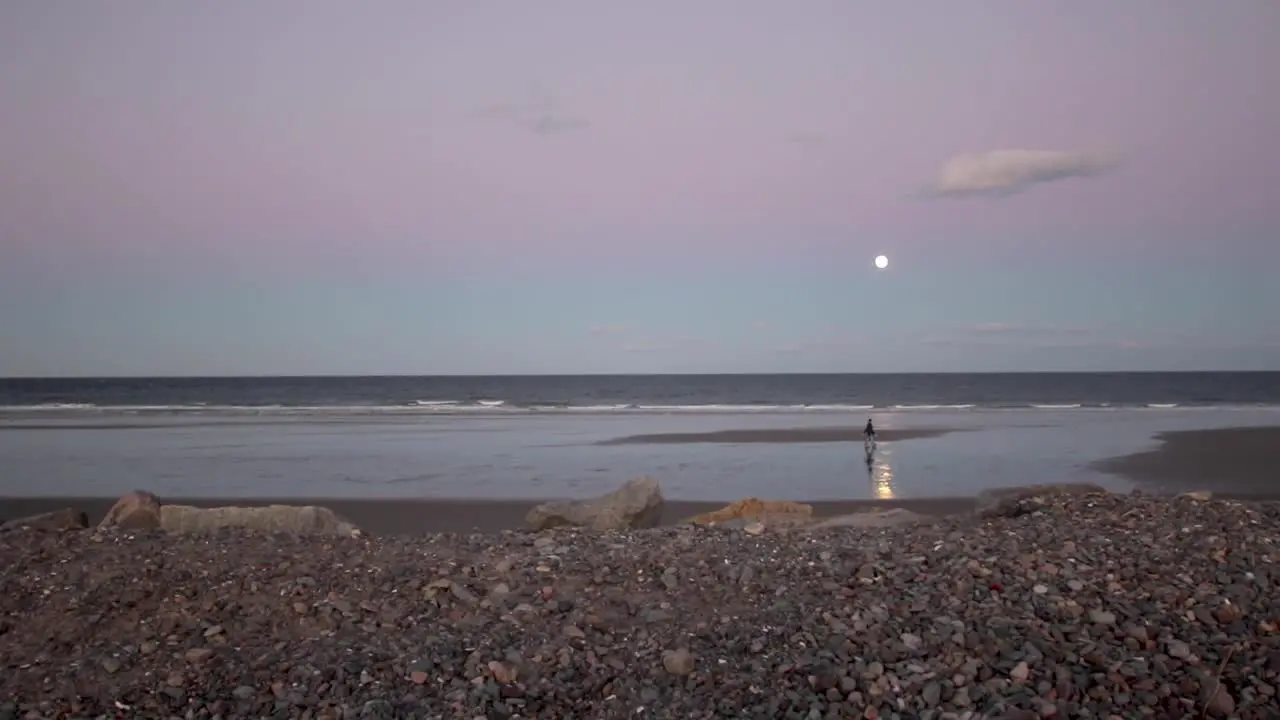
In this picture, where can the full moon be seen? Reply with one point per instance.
(882, 262)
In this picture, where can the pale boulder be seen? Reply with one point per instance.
(636, 505)
(1011, 501)
(1197, 495)
(139, 510)
(286, 519)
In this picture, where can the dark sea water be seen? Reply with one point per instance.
(648, 392)
(540, 437)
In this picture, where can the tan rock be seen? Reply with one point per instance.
(766, 511)
(287, 519)
(1197, 495)
(139, 510)
(637, 504)
(56, 521)
(678, 662)
(503, 673)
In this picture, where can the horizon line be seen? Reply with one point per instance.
(348, 376)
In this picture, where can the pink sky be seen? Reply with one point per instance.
(456, 138)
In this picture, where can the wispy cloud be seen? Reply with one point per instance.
(806, 138)
(639, 340)
(1003, 173)
(815, 346)
(1031, 337)
(539, 113)
(606, 329)
(1003, 333)
(664, 343)
(1009, 329)
(830, 339)
(646, 347)
(763, 326)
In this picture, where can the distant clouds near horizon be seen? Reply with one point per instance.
(454, 187)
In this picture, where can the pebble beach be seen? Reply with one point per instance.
(1058, 605)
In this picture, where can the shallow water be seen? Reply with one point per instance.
(543, 456)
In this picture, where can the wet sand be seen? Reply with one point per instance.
(415, 517)
(1237, 462)
(841, 433)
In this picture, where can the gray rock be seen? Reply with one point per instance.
(637, 504)
(289, 519)
(932, 620)
(1102, 617)
(56, 521)
(1008, 502)
(1218, 701)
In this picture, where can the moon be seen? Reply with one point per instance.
(882, 262)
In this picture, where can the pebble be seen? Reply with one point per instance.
(1099, 606)
(1102, 617)
(678, 662)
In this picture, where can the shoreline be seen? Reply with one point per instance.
(835, 433)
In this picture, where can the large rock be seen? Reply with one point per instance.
(288, 519)
(139, 510)
(56, 521)
(872, 519)
(637, 504)
(1011, 501)
(770, 512)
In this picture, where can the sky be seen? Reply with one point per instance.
(482, 187)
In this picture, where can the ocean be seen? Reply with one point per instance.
(664, 393)
(535, 437)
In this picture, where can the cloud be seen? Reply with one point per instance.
(994, 327)
(1003, 333)
(829, 340)
(1004, 328)
(646, 347)
(606, 329)
(806, 138)
(664, 343)
(539, 113)
(1002, 173)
